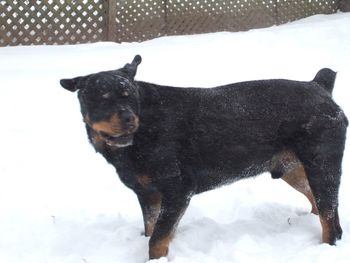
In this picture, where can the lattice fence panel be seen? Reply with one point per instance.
(51, 21)
(344, 5)
(80, 21)
(293, 10)
(192, 16)
(139, 20)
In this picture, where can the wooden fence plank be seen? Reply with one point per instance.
(111, 14)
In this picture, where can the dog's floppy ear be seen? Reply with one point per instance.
(70, 84)
(131, 69)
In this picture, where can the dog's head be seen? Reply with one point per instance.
(109, 103)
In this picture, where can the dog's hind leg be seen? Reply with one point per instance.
(298, 180)
(321, 155)
(324, 181)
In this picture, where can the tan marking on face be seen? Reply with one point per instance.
(160, 248)
(298, 180)
(98, 141)
(151, 216)
(112, 126)
(136, 122)
(144, 180)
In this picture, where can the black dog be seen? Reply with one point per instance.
(168, 144)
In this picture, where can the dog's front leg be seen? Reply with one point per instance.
(172, 208)
(150, 205)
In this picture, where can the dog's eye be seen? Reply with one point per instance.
(106, 95)
(125, 93)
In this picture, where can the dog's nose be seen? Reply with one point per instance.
(127, 117)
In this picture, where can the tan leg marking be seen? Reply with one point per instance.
(160, 248)
(325, 223)
(298, 180)
(153, 213)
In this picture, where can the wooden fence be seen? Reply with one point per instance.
(36, 22)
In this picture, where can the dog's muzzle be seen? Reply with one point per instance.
(118, 130)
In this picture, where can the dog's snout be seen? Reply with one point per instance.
(127, 117)
(129, 120)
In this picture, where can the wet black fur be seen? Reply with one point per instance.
(191, 140)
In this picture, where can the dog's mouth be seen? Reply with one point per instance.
(117, 131)
(119, 141)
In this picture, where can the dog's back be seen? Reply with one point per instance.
(241, 126)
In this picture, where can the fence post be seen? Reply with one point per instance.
(344, 5)
(111, 14)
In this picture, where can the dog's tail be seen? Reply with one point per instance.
(326, 78)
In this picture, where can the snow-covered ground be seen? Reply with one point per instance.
(60, 202)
